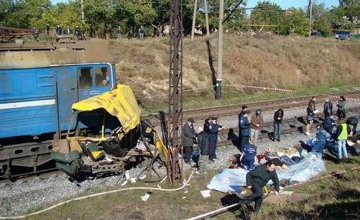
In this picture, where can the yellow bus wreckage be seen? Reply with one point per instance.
(109, 135)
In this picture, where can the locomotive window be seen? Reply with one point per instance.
(102, 76)
(85, 79)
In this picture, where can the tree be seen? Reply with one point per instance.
(295, 21)
(321, 19)
(351, 9)
(99, 15)
(266, 13)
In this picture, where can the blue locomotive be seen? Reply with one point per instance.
(37, 89)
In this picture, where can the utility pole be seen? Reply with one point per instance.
(193, 21)
(220, 51)
(175, 92)
(310, 15)
(82, 11)
(206, 19)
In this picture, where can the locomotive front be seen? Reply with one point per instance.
(38, 86)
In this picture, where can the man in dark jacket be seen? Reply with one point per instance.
(214, 128)
(244, 126)
(352, 122)
(257, 179)
(278, 117)
(202, 149)
(328, 108)
(188, 138)
(311, 111)
(243, 108)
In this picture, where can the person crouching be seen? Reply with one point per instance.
(248, 156)
(256, 180)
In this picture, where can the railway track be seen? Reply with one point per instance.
(227, 136)
(293, 125)
(272, 105)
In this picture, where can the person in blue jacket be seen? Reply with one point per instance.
(320, 142)
(244, 126)
(248, 156)
(214, 128)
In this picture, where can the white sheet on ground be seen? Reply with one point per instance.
(306, 169)
(228, 177)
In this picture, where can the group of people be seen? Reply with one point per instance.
(67, 31)
(206, 141)
(249, 128)
(335, 130)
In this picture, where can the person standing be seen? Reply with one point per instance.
(141, 32)
(243, 108)
(341, 113)
(67, 30)
(278, 117)
(255, 124)
(214, 128)
(78, 33)
(188, 139)
(119, 33)
(340, 137)
(207, 124)
(35, 33)
(244, 126)
(203, 149)
(328, 108)
(311, 110)
(256, 180)
(58, 30)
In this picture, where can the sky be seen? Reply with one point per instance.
(283, 3)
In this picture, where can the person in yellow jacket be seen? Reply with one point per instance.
(341, 135)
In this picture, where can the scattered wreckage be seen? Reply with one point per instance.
(124, 138)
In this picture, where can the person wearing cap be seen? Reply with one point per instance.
(244, 127)
(243, 108)
(255, 124)
(214, 128)
(188, 137)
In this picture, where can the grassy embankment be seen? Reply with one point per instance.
(331, 198)
(305, 65)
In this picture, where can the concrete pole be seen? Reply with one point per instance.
(310, 15)
(220, 52)
(193, 21)
(82, 11)
(206, 19)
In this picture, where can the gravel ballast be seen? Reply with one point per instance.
(33, 193)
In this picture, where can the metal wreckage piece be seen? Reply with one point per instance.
(130, 140)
